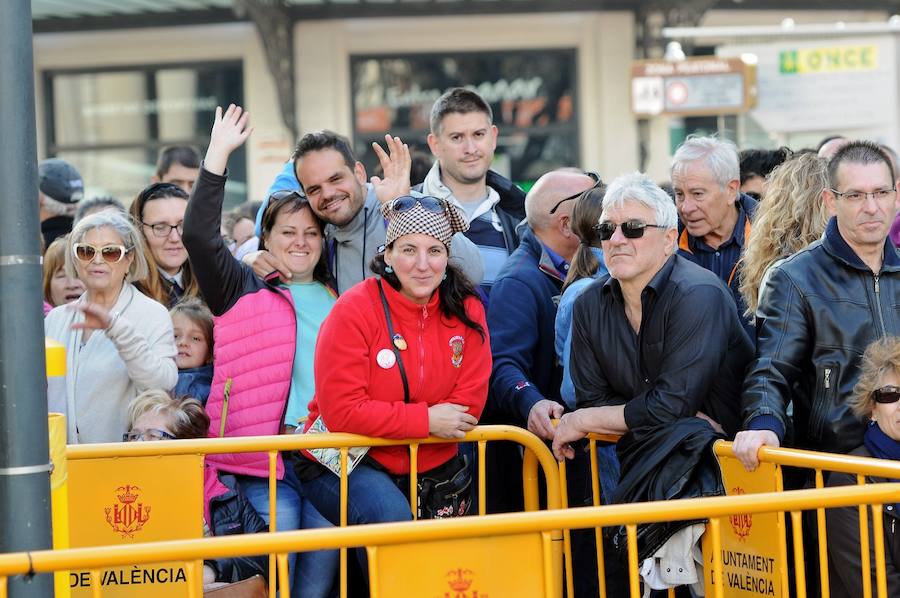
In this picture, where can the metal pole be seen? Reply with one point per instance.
(24, 453)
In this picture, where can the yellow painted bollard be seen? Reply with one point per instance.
(59, 488)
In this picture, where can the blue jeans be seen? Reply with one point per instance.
(315, 576)
(373, 497)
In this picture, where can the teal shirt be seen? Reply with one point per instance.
(312, 302)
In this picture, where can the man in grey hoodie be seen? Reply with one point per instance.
(335, 183)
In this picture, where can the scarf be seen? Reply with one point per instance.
(882, 446)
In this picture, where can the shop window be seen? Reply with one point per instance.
(532, 94)
(111, 122)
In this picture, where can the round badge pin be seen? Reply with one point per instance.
(400, 342)
(386, 358)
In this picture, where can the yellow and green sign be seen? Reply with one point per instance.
(807, 61)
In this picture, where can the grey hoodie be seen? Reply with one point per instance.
(351, 247)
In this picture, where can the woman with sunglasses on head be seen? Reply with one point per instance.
(876, 397)
(158, 211)
(402, 356)
(118, 341)
(264, 337)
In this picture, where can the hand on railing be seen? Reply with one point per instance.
(747, 444)
(447, 420)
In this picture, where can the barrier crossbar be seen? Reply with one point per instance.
(536, 454)
(191, 552)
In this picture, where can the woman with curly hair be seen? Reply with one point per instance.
(792, 217)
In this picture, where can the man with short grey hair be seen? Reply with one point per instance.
(715, 215)
(636, 358)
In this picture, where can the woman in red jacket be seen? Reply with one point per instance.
(402, 356)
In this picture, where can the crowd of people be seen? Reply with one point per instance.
(756, 301)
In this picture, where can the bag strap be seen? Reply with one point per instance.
(390, 325)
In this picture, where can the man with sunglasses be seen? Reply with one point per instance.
(463, 139)
(819, 309)
(714, 215)
(325, 169)
(526, 379)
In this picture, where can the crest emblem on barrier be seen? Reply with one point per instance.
(460, 581)
(128, 516)
(740, 522)
(457, 343)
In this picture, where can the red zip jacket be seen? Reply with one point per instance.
(445, 362)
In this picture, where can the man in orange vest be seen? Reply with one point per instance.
(714, 215)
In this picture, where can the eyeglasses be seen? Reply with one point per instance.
(886, 394)
(631, 229)
(408, 202)
(111, 254)
(148, 434)
(597, 183)
(286, 194)
(857, 196)
(161, 229)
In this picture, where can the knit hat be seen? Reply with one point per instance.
(425, 215)
(60, 181)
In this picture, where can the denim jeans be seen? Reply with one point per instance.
(317, 571)
(373, 497)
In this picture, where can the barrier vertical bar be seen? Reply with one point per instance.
(344, 498)
(191, 577)
(865, 562)
(3, 587)
(598, 531)
(799, 562)
(782, 534)
(715, 529)
(482, 479)
(96, 591)
(633, 579)
(567, 534)
(273, 513)
(529, 480)
(283, 580)
(414, 479)
(878, 530)
(823, 542)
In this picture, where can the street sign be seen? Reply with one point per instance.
(700, 86)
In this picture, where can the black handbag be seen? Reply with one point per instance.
(446, 490)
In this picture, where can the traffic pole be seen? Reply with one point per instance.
(24, 454)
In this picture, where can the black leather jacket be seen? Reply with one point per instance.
(820, 309)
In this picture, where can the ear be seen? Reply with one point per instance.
(565, 226)
(671, 240)
(733, 187)
(494, 133)
(432, 143)
(359, 171)
(830, 202)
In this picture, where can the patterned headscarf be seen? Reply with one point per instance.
(440, 225)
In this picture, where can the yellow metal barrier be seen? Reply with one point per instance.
(769, 475)
(191, 552)
(536, 454)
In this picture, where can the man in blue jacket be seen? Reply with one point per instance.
(526, 377)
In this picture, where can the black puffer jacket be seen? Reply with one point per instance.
(232, 514)
(820, 309)
(666, 462)
(842, 525)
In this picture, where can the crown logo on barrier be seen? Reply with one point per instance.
(460, 581)
(740, 522)
(129, 516)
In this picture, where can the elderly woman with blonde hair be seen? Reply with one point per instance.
(791, 217)
(876, 398)
(118, 341)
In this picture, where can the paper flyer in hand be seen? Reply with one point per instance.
(331, 457)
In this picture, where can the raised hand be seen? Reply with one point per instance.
(396, 165)
(95, 317)
(229, 132)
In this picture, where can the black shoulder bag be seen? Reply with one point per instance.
(446, 490)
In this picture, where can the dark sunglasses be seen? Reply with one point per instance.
(597, 183)
(111, 254)
(886, 394)
(631, 229)
(408, 202)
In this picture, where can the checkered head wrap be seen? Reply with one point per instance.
(417, 219)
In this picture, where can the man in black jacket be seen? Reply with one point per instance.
(657, 340)
(463, 139)
(820, 309)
